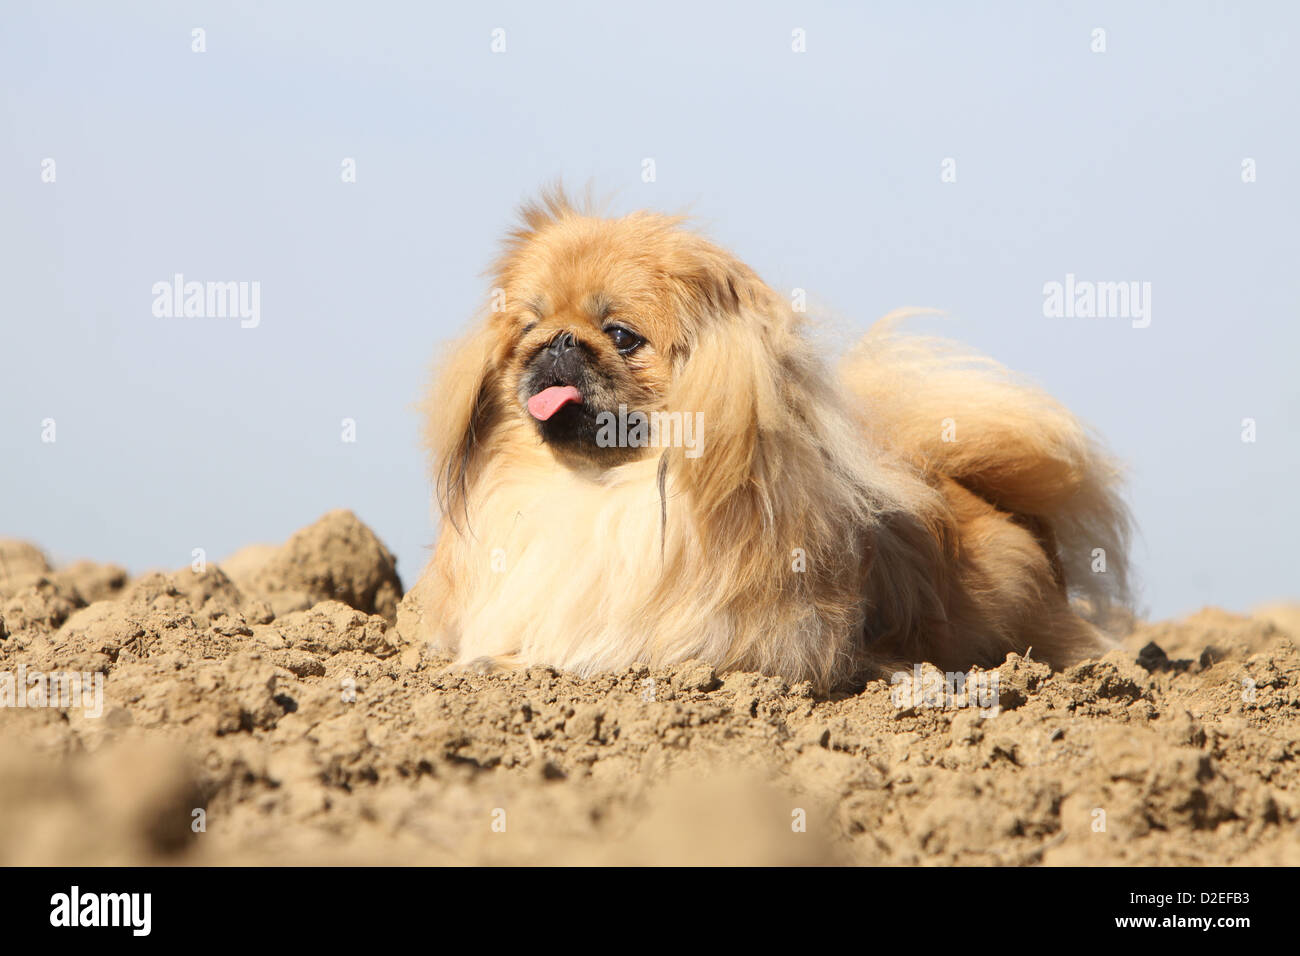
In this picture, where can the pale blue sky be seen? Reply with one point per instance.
(820, 169)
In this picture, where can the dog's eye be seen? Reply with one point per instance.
(625, 340)
(528, 328)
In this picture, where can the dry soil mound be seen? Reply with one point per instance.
(267, 711)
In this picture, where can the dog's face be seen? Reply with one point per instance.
(590, 330)
(596, 323)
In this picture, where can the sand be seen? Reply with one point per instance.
(269, 710)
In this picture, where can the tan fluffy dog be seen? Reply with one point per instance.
(919, 505)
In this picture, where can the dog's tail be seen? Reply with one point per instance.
(962, 415)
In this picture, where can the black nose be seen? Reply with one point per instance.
(562, 343)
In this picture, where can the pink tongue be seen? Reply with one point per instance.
(550, 400)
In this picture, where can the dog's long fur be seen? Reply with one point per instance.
(827, 532)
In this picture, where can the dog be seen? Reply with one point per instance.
(640, 458)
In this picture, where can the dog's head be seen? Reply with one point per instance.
(591, 326)
(597, 324)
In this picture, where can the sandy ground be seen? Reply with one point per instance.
(268, 710)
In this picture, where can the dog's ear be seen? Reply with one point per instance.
(732, 370)
(461, 409)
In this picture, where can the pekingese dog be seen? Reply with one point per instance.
(640, 459)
